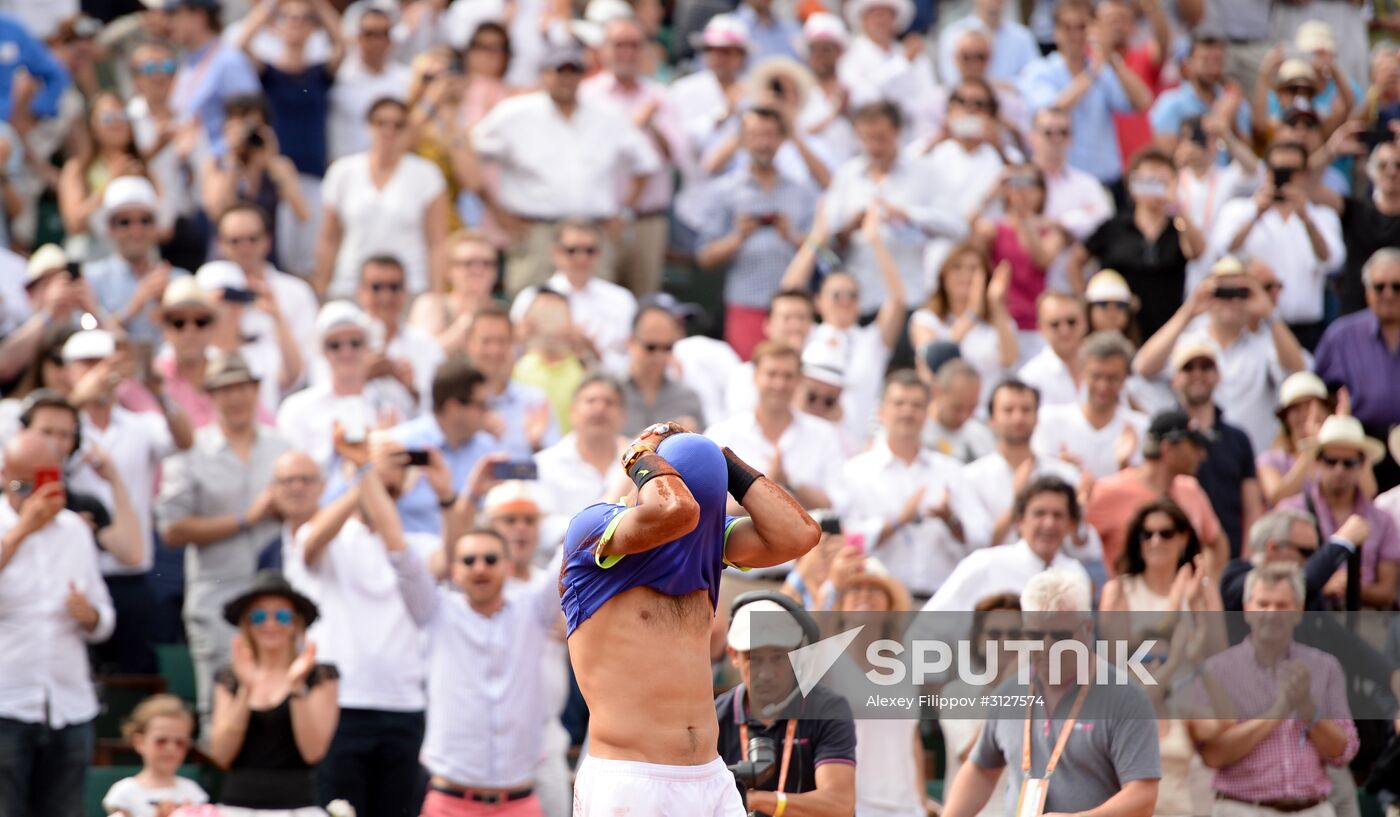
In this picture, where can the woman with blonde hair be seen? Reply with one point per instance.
(161, 730)
(275, 708)
(472, 272)
(107, 152)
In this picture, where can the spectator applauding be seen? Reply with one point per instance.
(1102, 433)
(520, 416)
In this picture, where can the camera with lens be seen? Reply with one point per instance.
(758, 769)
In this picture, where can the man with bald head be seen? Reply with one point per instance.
(348, 556)
(53, 603)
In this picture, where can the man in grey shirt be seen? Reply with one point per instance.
(1111, 761)
(216, 499)
(650, 395)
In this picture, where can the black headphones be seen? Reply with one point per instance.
(48, 398)
(811, 632)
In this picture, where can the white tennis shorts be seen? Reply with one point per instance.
(623, 788)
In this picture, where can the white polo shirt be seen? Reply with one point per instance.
(365, 627)
(1000, 569)
(1050, 376)
(1065, 427)
(569, 483)
(923, 553)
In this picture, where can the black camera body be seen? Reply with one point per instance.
(758, 769)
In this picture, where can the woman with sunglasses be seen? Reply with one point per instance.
(968, 307)
(996, 619)
(106, 150)
(1160, 569)
(275, 708)
(1304, 403)
(472, 272)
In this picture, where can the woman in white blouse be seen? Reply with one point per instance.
(385, 200)
(968, 307)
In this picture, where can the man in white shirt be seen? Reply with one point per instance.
(520, 416)
(559, 157)
(823, 116)
(1046, 511)
(1054, 371)
(405, 354)
(1075, 200)
(244, 239)
(951, 428)
(53, 603)
(486, 636)
(1231, 313)
(1013, 45)
(367, 74)
(136, 443)
(911, 505)
(1300, 240)
(350, 557)
(878, 66)
(601, 309)
(577, 471)
(1101, 434)
(792, 314)
(622, 82)
(803, 453)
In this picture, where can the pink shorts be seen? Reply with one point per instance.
(622, 788)
(438, 804)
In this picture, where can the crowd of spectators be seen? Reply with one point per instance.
(319, 321)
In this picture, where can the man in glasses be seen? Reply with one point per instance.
(823, 384)
(1101, 434)
(57, 605)
(1231, 312)
(129, 282)
(1005, 45)
(601, 309)
(1289, 536)
(1055, 371)
(1074, 200)
(650, 394)
(952, 429)
(244, 238)
(1334, 495)
(336, 553)
(215, 501)
(367, 73)
(409, 356)
(559, 157)
(910, 502)
(1359, 352)
(1369, 222)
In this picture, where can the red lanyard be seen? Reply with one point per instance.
(1059, 742)
(787, 749)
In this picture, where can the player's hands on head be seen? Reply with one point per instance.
(648, 441)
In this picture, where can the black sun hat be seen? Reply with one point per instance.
(270, 583)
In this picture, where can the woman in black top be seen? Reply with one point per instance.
(1146, 244)
(275, 708)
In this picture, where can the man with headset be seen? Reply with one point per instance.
(639, 586)
(814, 772)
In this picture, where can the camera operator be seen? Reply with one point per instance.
(792, 767)
(253, 170)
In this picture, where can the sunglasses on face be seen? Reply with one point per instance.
(1304, 550)
(150, 67)
(282, 615)
(179, 324)
(240, 240)
(1009, 633)
(822, 401)
(974, 104)
(589, 250)
(1055, 133)
(1053, 635)
(170, 740)
(122, 222)
(1148, 534)
(1348, 463)
(1199, 366)
(1108, 305)
(1380, 287)
(653, 348)
(1068, 323)
(353, 344)
(489, 558)
(375, 33)
(386, 286)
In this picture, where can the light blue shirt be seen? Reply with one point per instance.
(1013, 48)
(20, 49)
(114, 283)
(513, 406)
(1182, 103)
(206, 78)
(779, 38)
(418, 507)
(1094, 148)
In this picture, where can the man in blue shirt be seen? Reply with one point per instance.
(20, 50)
(210, 72)
(456, 428)
(1093, 87)
(1204, 89)
(129, 282)
(770, 33)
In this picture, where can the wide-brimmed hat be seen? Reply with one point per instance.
(825, 27)
(875, 573)
(1108, 286)
(1298, 387)
(227, 370)
(47, 259)
(723, 31)
(903, 12)
(1341, 430)
(270, 583)
(1294, 71)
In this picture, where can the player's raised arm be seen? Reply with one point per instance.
(665, 509)
(780, 529)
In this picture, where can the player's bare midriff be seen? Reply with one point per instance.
(649, 687)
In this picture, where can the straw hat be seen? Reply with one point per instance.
(1340, 430)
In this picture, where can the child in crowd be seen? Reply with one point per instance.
(161, 730)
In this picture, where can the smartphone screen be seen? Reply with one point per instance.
(350, 413)
(525, 470)
(43, 476)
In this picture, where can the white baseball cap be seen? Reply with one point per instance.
(341, 315)
(90, 344)
(773, 631)
(130, 191)
(217, 276)
(511, 495)
(825, 27)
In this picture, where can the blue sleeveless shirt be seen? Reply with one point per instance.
(692, 562)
